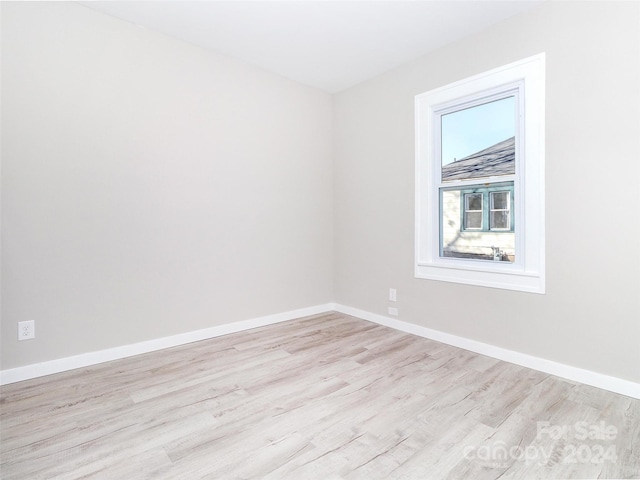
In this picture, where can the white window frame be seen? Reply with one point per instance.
(527, 79)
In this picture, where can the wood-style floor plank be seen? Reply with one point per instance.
(323, 397)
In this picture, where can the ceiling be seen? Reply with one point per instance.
(331, 45)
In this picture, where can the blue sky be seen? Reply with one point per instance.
(468, 131)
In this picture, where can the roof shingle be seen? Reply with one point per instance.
(496, 160)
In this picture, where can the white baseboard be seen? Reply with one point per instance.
(606, 382)
(92, 358)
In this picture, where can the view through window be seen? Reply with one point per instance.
(477, 158)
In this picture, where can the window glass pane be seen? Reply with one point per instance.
(479, 141)
(499, 200)
(474, 201)
(499, 219)
(473, 220)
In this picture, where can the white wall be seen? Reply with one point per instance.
(590, 316)
(150, 187)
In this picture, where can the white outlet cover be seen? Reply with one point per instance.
(393, 311)
(27, 330)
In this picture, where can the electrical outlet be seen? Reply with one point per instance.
(27, 330)
(393, 295)
(393, 311)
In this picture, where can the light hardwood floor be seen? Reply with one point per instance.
(323, 397)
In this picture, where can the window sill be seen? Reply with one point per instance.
(502, 275)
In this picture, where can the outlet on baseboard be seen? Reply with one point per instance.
(393, 295)
(27, 330)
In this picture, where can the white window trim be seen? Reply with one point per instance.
(527, 272)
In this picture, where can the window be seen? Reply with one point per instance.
(500, 216)
(480, 179)
(473, 211)
(487, 209)
(493, 222)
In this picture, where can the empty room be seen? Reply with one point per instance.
(320, 240)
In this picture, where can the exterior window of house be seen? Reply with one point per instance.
(480, 179)
(499, 217)
(472, 211)
(486, 209)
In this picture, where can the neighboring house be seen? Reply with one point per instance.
(477, 220)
